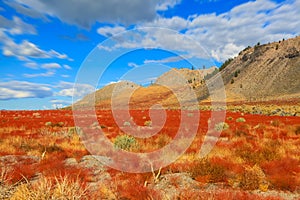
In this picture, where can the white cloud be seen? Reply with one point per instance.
(169, 59)
(16, 26)
(19, 27)
(23, 89)
(108, 31)
(57, 105)
(23, 50)
(224, 35)
(65, 76)
(132, 64)
(60, 101)
(175, 23)
(51, 66)
(26, 49)
(70, 90)
(165, 5)
(31, 65)
(47, 74)
(67, 67)
(157, 38)
(230, 50)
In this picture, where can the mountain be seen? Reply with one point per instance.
(170, 88)
(265, 72)
(260, 73)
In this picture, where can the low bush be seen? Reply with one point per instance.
(205, 168)
(125, 142)
(221, 126)
(45, 188)
(148, 123)
(240, 119)
(253, 178)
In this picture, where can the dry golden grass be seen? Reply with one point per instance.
(46, 188)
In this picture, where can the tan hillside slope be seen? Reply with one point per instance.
(170, 88)
(265, 72)
(103, 96)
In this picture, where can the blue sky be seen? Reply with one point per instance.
(45, 45)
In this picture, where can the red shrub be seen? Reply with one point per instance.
(23, 171)
(283, 173)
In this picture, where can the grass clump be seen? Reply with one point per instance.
(240, 119)
(125, 142)
(47, 188)
(148, 123)
(221, 126)
(205, 168)
(254, 178)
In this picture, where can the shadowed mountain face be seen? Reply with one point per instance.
(259, 73)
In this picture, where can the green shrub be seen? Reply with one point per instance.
(221, 126)
(48, 124)
(125, 142)
(240, 119)
(148, 123)
(60, 124)
(126, 123)
(229, 118)
(226, 63)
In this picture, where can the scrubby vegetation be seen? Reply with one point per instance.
(42, 161)
(225, 64)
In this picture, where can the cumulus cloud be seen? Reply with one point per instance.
(20, 27)
(16, 26)
(23, 50)
(151, 37)
(175, 23)
(23, 89)
(221, 35)
(31, 65)
(26, 49)
(165, 5)
(51, 66)
(108, 31)
(59, 103)
(168, 60)
(85, 12)
(69, 89)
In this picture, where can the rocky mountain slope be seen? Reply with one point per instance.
(265, 72)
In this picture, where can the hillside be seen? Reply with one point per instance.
(178, 81)
(265, 72)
